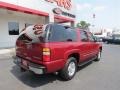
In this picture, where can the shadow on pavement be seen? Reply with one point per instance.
(33, 80)
(84, 66)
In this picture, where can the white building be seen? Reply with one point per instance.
(104, 32)
(116, 31)
(17, 14)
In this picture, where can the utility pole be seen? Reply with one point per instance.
(93, 22)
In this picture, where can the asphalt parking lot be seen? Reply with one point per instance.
(103, 75)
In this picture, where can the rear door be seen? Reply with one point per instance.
(22, 46)
(36, 49)
(30, 48)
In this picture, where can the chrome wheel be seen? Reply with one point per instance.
(71, 69)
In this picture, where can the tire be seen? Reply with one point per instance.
(69, 70)
(98, 56)
(22, 69)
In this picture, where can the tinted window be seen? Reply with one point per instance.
(57, 33)
(83, 36)
(13, 28)
(71, 34)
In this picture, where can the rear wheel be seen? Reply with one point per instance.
(22, 69)
(68, 72)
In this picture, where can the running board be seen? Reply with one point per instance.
(86, 62)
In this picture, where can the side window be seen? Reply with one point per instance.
(91, 37)
(83, 36)
(13, 28)
(71, 34)
(57, 34)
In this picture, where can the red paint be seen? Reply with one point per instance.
(62, 3)
(53, 55)
(22, 9)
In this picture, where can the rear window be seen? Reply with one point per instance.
(24, 38)
(32, 38)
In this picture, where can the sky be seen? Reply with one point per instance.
(107, 12)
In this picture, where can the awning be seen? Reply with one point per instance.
(22, 9)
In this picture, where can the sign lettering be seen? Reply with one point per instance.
(62, 3)
(38, 29)
(60, 12)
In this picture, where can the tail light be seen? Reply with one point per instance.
(46, 54)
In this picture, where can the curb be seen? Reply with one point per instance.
(7, 53)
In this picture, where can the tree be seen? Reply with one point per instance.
(83, 25)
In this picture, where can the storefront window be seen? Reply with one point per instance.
(13, 28)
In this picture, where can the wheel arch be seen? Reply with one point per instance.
(100, 49)
(75, 55)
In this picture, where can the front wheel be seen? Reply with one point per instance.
(68, 72)
(98, 56)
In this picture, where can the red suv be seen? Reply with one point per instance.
(61, 49)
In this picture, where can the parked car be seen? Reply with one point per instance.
(114, 39)
(107, 39)
(61, 49)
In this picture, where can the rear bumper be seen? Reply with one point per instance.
(41, 68)
(36, 68)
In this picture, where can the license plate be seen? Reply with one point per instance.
(25, 63)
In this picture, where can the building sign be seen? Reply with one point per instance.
(67, 4)
(57, 11)
(60, 12)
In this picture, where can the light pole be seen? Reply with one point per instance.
(93, 22)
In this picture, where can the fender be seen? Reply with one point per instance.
(69, 52)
